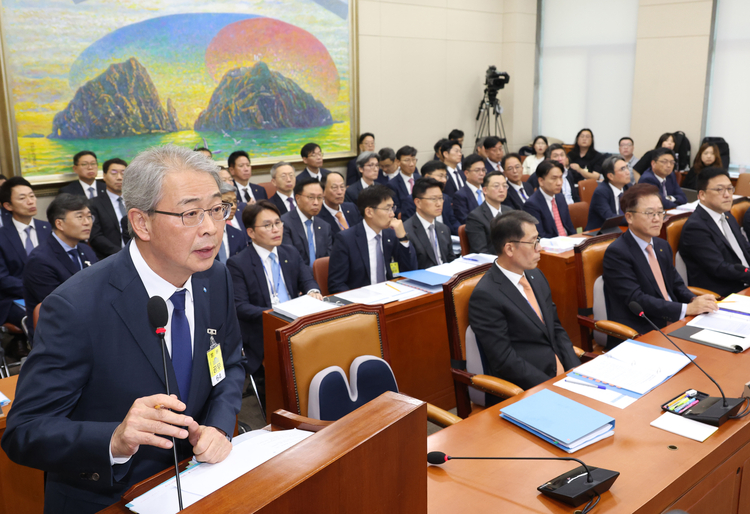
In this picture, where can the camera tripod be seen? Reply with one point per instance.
(489, 107)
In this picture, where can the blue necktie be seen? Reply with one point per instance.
(182, 351)
(523, 194)
(480, 197)
(619, 198)
(310, 241)
(29, 243)
(379, 260)
(278, 285)
(222, 252)
(74, 257)
(91, 193)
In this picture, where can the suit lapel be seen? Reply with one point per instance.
(289, 280)
(301, 230)
(15, 241)
(201, 338)
(388, 237)
(320, 243)
(424, 238)
(544, 307)
(444, 239)
(642, 262)
(514, 295)
(361, 238)
(62, 255)
(713, 227)
(260, 274)
(110, 210)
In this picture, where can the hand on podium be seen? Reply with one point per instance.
(209, 444)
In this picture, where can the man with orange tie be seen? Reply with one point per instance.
(638, 267)
(511, 310)
(548, 204)
(340, 215)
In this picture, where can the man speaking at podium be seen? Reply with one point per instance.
(90, 407)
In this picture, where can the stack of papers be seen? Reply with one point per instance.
(249, 451)
(726, 322)
(684, 426)
(302, 306)
(431, 280)
(4, 400)
(384, 292)
(560, 244)
(559, 420)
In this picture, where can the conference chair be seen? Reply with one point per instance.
(592, 308)
(320, 274)
(586, 189)
(671, 231)
(743, 185)
(739, 208)
(351, 338)
(525, 178)
(269, 187)
(464, 240)
(579, 214)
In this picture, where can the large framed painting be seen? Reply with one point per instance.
(119, 76)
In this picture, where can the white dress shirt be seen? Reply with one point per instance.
(566, 189)
(67, 248)
(116, 206)
(549, 200)
(265, 258)
(304, 219)
(21, 228)
(285, 199)
(86, 187)
(494, 211)
(318, 175)
(524, 196)
(365, 185)
(242, 190)
(515, 279)
(370, 234)
(426, 224)
(334, 212)
(454, 175)
(617, 193)
(474, 190)
(406, 180)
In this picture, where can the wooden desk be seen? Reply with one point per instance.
(418, 340)
(710, 477)
(21, 488)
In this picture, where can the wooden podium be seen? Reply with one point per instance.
(372, 460)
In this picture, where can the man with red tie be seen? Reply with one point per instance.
(548, 204)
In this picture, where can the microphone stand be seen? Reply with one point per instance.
(160, 332)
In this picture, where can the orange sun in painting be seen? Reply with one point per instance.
(289, 50)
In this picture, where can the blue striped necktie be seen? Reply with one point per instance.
(182, 350)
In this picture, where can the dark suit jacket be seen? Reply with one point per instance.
(402, 198)
(488, 166)
(13, 259)
(236, 239)
(513, 199)
(628, 277)
(573, 178)
(280, 204)
(478, 228)
(351, 214)
(711, 263)
(349, 267)
(295, 234)
(251, 295)
(673, 189)
(305, 174)
(74, 188)
(352, 172)
(421, 242)
(259, 192)
(464, 201)
(48, 267)
(450, 186)
(536, 205)
(106, 238)
(602, 206)
(515, 343)
(352, 192)
(238, 216)
(94, 354)
(449, 217)
(6, 216)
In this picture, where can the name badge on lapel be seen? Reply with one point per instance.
(394, 267)
(215, 360)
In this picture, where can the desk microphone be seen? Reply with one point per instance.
(568, 487)
(717, 413)
(158, 317)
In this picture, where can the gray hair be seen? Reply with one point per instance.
(277, 166)
(608, 166)
(143, 183)
(364, 157)
(225, 188)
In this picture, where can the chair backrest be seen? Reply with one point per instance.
(589, 257)
(332, 338)
(579, 214)
(739, 209)
(600, 310)
(269, 187)
(743, 184)
(586, 189)
(464, 240)
(525, 178)
(456, 294)
(679, 265)
(671, 231)
(320, 274)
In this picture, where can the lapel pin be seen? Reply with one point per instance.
(285, 261)
(87, 263)
(205, 290)
(211, 331)
(389, 240)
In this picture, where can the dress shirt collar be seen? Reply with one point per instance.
(263, 253)
(514, 278)
(547, 197)
(495, 165)
(492, 209)
(661, 180)
(641, 243)
(332, 211)
(426, 224)
(364, 184)
(65, 245)
(86, 187)
(20, 227)
(716, 216)
(473, 188)
(154, 284)
(615, 190)
(517, 187)
(283, 197)
(113, 197)
(369, 232)
(317, 175)
(302, 217)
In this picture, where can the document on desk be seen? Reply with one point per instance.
(634, 366)
(302, 306)
(4, 400)
(736, 303)
(200, 479)
(732, 323)
(384, 292)
(602, 393)
(683, 426)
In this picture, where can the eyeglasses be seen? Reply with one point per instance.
(371, 165)
(337, 187)
(514, 168)
(278, 224)
(666, 162)
(194, 217)
(315, 154)
(113, 172)
(478, 170)
(87, 164)
(536, 242)
(392, 208)
(313, 198)
(80, 218)
(652, 215)
(436, 199)
(409, 160)
(498, 186)
(722, 190)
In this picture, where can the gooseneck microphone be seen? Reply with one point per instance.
(568, 487)
(158, 317)
(715, 414)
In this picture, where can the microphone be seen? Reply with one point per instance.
(158, 317)
(715, 414)
(568, 487)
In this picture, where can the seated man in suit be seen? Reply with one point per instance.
(495, 151)
(282, 177)
(548, 204)
(241, 170)
(373, 250)
(388, 165)
(450, 153)
(403, 181)
(605, 203)
(303, 229)
(312, 156)
(108, 210)
(518, 190)
(234, 240)
(638, 267)
(478, 223)
(62, 255)
(85, 166)
(511, 310)
(661, 174)
(264, 274)
(470, 196)
(715, 252)
(88, 408)
(365, 143)
(369, 167)
(17, 239)
(340, 215)
(430, 238)
(571, 177)
(438, 170)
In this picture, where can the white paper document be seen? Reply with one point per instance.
(302, 306)
(736, 303)
(634, 366)
(560, 244)
(202, 479)
(723, 321)
(683, 426)
(729, 342)
(608, 396)
(384, 292)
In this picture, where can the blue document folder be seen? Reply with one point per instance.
(559, 420)
(425, 277)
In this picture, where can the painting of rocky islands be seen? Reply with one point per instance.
(118, 77)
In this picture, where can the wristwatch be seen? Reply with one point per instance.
(404, 239)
